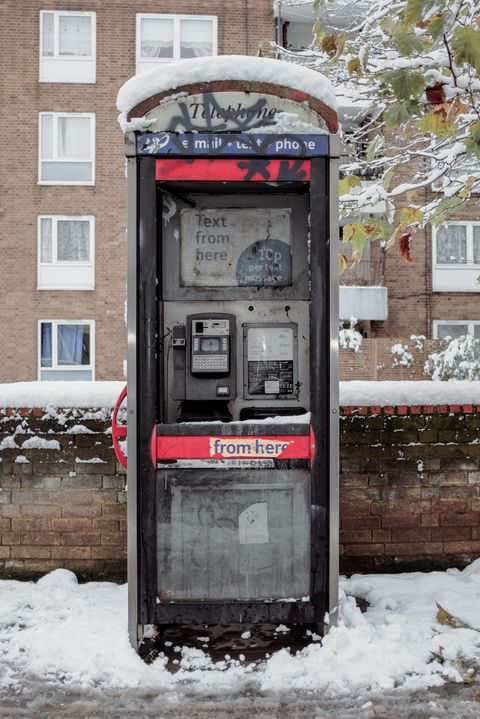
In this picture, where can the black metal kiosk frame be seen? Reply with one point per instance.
(146, 399)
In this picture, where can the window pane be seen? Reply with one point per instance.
(156, 38)
(476, 244)
(476, 331)
(195, 38)
(78, 375)
(47, 136)
(74, 137)
(46, 344)
(73, 240)
(452, 245)
(47, 34)
(451, 330)
(73, 344)
(74, 35)
(45, 239)
(66, 171)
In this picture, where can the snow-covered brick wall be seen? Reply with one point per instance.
(409, 490)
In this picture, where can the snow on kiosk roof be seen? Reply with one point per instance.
(228, 73)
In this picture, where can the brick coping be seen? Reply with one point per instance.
(362, 410)
(404, 409)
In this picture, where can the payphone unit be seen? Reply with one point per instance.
(232, 306)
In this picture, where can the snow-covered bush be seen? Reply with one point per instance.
(459, 360)
(349, 338)
(402, 357)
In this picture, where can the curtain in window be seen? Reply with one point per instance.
(46, 240)
(73, 241)
(452, 245)
(195, 38)
(73, 345)
(47, 34)
(74, 137)
(476, 244)
(453, 331)
(46, 344)
(74, 35)
(156, 38)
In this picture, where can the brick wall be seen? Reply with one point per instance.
(410, 491)
(63, 505)
(375, 360)
(410, 480)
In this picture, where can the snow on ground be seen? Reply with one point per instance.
(74, 635)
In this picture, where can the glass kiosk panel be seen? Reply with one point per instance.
(241, 537)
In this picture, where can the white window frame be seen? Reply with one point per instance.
(55, 158)
(65, 263)
(67, 368)
(56, 57)
(176, 36)
(466, 273)
(471, 324)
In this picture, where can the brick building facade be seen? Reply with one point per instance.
(64, 251)
(97, 313)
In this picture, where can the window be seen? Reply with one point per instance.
(65, 253)
(161, 38)
(66, 349)
(448, 328)
(67, 46)
(456, 257)
(66, 144)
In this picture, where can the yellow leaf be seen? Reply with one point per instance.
(346, 184)
(343, 262)
(318, 33)
(410, 215)
(437, 122)
(465, 192)
(444, 617)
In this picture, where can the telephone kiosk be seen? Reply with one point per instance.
(232, 406)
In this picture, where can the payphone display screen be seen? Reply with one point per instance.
(236, 247)
(270, 356)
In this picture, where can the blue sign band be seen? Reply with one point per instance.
(215, 144)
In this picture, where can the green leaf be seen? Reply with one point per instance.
(444, 617)
(405, 83)
(374, 146)
(406, 41)
(466, 46)
(472, 143)
(401, 113)
(415, 11)
(445, 205)
(387, 180)
(358, 238)
(436, 27)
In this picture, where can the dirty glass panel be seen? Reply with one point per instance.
(223, 535)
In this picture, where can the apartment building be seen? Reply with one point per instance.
(63, 209)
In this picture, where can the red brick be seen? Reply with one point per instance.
(430, 520)
(450, 533)
(71, 552)
(399, 520)
(415, 534)
(471, 547)
(469, 519)
(364, 550)
(357, 536)
(32, 552)
(405, 548)
(109, 551)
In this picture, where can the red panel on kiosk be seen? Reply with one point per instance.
(231, 447)
(249, 170)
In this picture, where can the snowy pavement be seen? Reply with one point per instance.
(63, 645)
